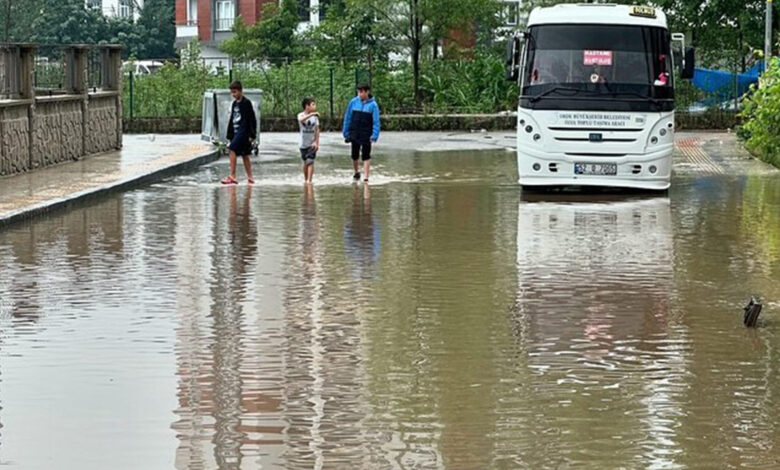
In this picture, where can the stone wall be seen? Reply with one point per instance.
(102, 116)
(58, 131)
(15, 132)
(63, 125)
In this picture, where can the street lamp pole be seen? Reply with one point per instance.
(768, 35)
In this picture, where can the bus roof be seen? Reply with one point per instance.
(597, 13)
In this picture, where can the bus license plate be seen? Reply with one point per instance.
(595, 168)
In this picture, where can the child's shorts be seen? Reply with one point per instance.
(308, 155)
(364, 147)
(242, 146)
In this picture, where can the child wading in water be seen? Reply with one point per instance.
(361, 129)
(309, 124)
(241, 132)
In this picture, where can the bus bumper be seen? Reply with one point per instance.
(539, 169)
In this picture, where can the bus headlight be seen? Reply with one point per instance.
(529, 132)
(662, 133)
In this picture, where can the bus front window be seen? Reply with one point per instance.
(626, 58)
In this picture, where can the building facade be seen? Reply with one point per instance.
(513, 14)
(129, 9)
(210, 22)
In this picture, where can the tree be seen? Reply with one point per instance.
(16, 16)
(54, 22)
(271, 39)
(66, 22)
(418, 23)
(347, 34)
(158, 27)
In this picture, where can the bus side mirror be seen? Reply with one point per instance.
(689, 64)
(514, 48)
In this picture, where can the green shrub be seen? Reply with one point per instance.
(761, 116)
(474, 85)
(468, 86)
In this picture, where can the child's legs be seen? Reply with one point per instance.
(232, 164)
(309, 171)
(247, 166)
(356, 156)
(366, 160)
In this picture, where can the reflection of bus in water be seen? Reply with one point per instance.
(604, 354)
(597, 97)
(594, 270)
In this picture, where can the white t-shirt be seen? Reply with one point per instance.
(308, 128)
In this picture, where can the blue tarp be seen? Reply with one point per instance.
(719, 82)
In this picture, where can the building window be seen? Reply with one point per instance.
(125, 9)
(226, 15)
(96, 4)
(510, 14)
(304, 10)
(192, 12)
(323, 8)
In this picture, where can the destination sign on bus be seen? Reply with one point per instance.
(600, 120)
(597, 57)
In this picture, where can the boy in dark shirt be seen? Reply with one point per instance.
(241, 132)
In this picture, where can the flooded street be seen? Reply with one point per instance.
(438, 319)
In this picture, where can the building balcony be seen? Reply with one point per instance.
(225, 24)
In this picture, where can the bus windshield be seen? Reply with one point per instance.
(578, 66)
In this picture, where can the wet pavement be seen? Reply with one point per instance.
(438, 318)
(143, 157)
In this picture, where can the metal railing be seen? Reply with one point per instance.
(225, 24)
(95, 77)
(49, 72)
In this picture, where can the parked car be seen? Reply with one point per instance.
(143, 67)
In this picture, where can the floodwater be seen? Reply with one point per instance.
(434, 320)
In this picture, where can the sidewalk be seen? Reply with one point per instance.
(143, 158)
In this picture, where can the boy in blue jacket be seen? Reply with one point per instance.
(361, 129)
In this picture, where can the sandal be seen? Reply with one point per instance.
(229, 180)
(250, 180)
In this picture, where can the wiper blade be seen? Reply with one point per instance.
(556, 89)
(638, 95)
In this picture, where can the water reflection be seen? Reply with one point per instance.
(413, 324)
(361, 234)
(593, 316)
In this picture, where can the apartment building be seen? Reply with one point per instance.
(210, 22)
(128, 9)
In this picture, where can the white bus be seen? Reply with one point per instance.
(596, 96)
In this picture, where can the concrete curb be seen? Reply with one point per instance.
(87, 195)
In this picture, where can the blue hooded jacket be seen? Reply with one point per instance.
(361, 121)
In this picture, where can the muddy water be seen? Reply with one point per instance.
(435, 319)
